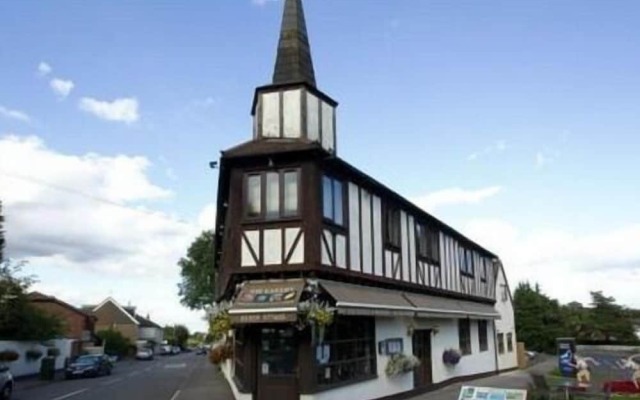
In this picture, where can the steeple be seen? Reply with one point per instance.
(293, 62)
(292, 108)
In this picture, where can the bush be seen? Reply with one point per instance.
(9, 356)
(33, 354)
(116, 343)
(221, 353)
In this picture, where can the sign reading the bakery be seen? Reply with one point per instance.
(267, 302)
(281, 294)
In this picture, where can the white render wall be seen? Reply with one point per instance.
(24, 367)
(447, 338)
(506, 323)
(386, 328)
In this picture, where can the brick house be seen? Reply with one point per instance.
(78, 324)
(138, 329)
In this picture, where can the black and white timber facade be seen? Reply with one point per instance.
(294, 217)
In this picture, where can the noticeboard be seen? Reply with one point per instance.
(486, 393)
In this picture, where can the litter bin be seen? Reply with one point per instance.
(48, 368)
(566, 356)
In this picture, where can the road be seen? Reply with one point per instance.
(181, 377)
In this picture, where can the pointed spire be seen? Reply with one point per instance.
(293, 63)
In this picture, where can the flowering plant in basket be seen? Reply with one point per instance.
(451, 356)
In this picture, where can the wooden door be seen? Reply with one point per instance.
(422, 375)
(277, 363)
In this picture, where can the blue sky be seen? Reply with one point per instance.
(520, 119)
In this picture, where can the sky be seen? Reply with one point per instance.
(517, 123)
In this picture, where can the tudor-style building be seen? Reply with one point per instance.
(295, 222)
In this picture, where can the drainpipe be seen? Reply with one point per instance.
(495, 346)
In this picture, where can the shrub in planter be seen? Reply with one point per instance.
(33, 354)
(401, 364)
(451, 357)
(220, 353)
(9, 356)
(53, 352)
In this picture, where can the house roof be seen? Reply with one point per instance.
(130, 312)
(270, 146)
(117, 305)
(37, 297)
(146, 323)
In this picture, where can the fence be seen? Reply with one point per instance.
(23, 366)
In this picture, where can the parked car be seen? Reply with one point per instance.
(144, 354)
(91, 365)
(165, 350)
(201, 351)
(175, 350)
(6, 383)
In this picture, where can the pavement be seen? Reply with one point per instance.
(518, 379)
(181, 377)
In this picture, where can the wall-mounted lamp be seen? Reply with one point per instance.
(213, 164)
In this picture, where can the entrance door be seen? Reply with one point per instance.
(422, 350)
(277, 364)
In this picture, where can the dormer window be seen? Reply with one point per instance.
(272, 195)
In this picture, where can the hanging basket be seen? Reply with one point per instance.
(451, 357)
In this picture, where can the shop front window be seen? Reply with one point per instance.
(348, 352)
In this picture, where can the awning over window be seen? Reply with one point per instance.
(267, 302)
(363, 300)
(432, 306)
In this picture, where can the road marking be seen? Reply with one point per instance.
(183, 365)
(111, 381)
(66, 396)
(175, 395)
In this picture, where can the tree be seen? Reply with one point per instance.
(197, 288)
(611, 321)
(176, 335)
(538, 318)
(115, 344)
(2, 242)
(19, 319)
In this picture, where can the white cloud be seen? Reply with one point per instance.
(44, 69)
(262, 2)
(14, 114)
(207, 217)
(567, 264)
(61, 87)
(81, 222)
(454, 196)
(121, 110)
(496, 148)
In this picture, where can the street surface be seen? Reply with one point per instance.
(182, 377)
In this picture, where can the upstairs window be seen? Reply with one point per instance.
(392, 227)
(428, 242)
(332, 194)
(272, 195)
(466, 262)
